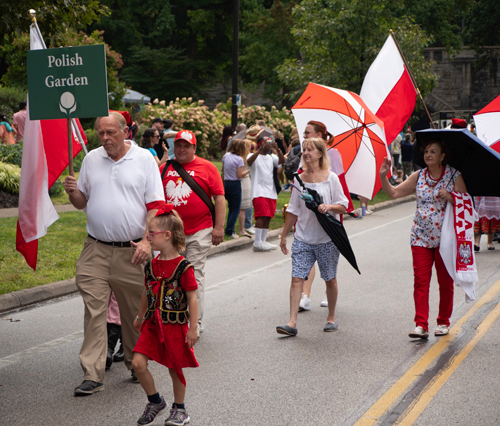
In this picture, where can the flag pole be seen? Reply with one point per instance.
(70, 149)
(412, 78)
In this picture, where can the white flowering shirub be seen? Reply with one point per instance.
(207, 124)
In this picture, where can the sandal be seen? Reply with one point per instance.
(441, 330)
(492, 247)
(245, 234)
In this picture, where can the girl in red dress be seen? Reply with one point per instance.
(166, 336)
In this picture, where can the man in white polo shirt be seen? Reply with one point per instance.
(119, 188)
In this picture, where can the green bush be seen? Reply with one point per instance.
(77, 161)
(10, 177)
(12, 154)
(9, 100)
(207, 124)
(92, 139)
(56, 189)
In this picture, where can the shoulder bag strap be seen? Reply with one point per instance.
(198, 190)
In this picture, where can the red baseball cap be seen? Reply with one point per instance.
(186, 135)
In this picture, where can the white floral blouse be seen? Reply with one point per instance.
(426, 229)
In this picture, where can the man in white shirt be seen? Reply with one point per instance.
(119, 188)
(262, 163)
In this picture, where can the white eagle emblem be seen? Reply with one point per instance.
(178, 193)
(465, 254)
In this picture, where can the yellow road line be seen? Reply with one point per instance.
(378, 409)
(409, 417)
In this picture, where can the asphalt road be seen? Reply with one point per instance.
(367, 372)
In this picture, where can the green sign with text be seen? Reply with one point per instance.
(68, 82)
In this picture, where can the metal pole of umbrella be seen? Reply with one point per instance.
(412, 78)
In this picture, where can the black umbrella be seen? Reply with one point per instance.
(330, 225)
(478, 163)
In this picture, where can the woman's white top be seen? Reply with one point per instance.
(308, 228)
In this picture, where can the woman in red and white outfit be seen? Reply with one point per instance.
(431, 186)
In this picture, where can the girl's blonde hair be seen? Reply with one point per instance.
(172, 222)
(319, 144)
(239, 148)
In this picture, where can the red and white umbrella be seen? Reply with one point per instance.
(359, 134)
(487, 123)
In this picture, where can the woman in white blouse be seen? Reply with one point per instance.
(311, 243)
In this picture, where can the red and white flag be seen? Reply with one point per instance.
(388, 90)
(45, 156)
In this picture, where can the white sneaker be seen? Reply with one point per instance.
(419, 332)
(271, 246)
(368, 212)
(250, 230)
(261, 247)
(324, 303)
(305, 303)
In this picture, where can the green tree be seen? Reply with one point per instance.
(170, 48)
(266, 42)
(483, 27)
(53, 16)
(338, 40)
(15, 53)
(443, 20)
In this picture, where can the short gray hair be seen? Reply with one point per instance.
(120, 120)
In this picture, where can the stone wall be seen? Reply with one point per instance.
(462, 85)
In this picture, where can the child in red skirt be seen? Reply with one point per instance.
(166, 337)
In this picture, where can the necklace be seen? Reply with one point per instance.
(430, 180)
(315, 175)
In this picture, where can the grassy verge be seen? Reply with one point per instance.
(58, 252)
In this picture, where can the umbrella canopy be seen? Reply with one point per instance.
(133, 97)
(478, 163)
(333, 227)
(487, 124)
(359, 134)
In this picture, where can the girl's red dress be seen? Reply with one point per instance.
(173, 352)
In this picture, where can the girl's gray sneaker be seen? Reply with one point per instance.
(178, 417)
(151, 411)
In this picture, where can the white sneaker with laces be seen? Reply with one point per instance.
(271, 246)
(305, 303)
(261, 247)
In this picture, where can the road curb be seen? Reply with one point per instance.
(29, 296)
(22, 298)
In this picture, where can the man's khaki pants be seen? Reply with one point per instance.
(197, 247)
(100, 269)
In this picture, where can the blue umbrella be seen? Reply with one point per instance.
(478, 163)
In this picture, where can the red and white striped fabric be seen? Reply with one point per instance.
(388, 90)
(358, 133)
(487, 123)
(45, 156)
